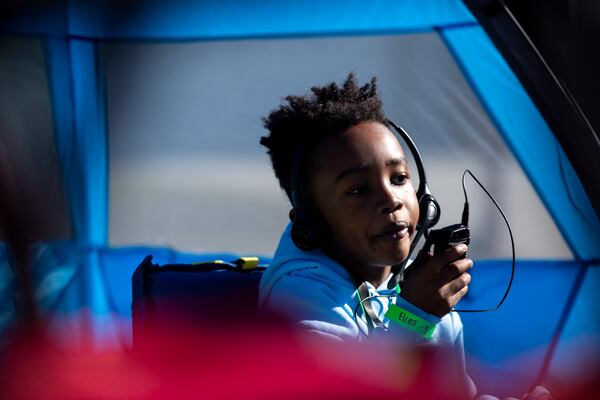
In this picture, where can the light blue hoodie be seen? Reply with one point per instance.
(318, 294)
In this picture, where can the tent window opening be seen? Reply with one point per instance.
(184, 120)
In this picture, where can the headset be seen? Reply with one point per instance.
(309, 229)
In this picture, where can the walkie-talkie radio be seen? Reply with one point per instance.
(442, 239)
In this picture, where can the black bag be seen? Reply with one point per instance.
(204, 293)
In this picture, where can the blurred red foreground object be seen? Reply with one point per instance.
(266, 361)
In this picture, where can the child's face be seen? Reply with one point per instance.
(360, 184)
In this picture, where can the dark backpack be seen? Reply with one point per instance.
(203, 293)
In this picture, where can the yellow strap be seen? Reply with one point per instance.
(247, 262)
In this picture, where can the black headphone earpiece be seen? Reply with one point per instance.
(429, 212)
(309, 230)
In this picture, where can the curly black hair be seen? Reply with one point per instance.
(307, 120)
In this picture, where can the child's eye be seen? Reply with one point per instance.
(357, 190)
(400, 179)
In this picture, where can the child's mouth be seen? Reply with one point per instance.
(397, 232)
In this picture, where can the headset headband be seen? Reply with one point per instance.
(429, 208)
(417, 157)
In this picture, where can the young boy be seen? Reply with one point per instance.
(352, 174)
(337, 160)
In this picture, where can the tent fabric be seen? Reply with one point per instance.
(578, 345)
(80, 134)
(88, 275)
(560, 109)
(90, 136)
(188, 19)
(529, 137)
(523, 327)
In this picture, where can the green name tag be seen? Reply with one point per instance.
(410, 321)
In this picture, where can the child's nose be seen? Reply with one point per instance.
(389, 200)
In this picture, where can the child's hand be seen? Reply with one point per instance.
(436, 284)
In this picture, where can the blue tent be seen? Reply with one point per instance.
(553, 299)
